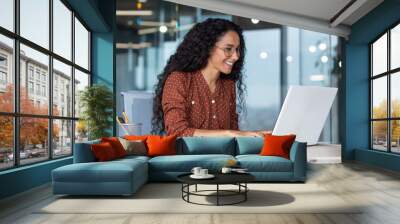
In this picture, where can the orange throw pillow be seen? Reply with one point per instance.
(136, 137)
(277, 145)
(116, 145)
(103, 152)
(161, 145)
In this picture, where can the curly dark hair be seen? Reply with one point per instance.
(192, 55)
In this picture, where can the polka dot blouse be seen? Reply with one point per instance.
(189, 104)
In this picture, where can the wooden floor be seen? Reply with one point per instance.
(377, 188)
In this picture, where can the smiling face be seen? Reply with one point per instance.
(225, 52)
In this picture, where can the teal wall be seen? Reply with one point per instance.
(103, 53)
(24, 178)
(99, 15)
(356, 85)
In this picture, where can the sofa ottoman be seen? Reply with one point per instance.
(118, 177)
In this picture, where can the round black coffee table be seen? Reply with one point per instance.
(238, 179)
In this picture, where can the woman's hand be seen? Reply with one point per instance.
(234, 133)
(264, 132)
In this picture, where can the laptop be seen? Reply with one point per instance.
(304, 112)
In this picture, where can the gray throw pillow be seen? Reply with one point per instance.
(136, 147)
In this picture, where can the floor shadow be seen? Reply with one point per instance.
(255, 198)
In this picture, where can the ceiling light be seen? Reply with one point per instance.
(255, 21)
(156, 23)
(134, 13)
(324, 59)
(317, 77)
(263, 55)
(132, 45)
(163, 29)
(340, 64)
(147, 31)
(289, 58)
(322, 46)
(312, 49)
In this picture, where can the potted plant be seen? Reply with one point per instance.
(96, 102)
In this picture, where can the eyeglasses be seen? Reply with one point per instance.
(229, 51)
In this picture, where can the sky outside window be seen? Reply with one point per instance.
(7, 14)
(35, 21)
(62, 29)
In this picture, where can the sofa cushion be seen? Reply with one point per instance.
(161, 145)
(249, 145)
(206, 145)
(134, 147)
(131, 158)
(103, 152)
(116, 145)
(83, 152)
(277, 145)
(257, 163)
(185, 163)
(111, 171)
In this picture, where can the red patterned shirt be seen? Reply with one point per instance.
(189, 104)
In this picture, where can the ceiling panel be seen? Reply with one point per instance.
(320, 9)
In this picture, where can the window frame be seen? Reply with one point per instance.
(388, 74)
(16, 114)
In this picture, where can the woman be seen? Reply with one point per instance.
(196, 92)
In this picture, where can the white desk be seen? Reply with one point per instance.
(324, 153)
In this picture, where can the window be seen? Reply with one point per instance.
(7, 14)
(7, 141)
(43, 90)
(81, 81)
(38, 89)
(385, 94)
(3, 72)
(30, 72)
(30, 87)
(53, 125)
(81, 45)
(62, 129)
(3, 61)
(34, 25)
(3, 78)
(7, 74)
(37, 74)
(62, 29)
(62, 74)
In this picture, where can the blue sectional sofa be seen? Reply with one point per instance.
(125, 176)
